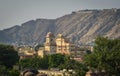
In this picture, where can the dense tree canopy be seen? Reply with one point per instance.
(3, 70)
(8, 72)
(54, 61)
(8, 55)
(106, 56)
(35, 62)
(51, 61)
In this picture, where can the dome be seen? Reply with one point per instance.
(59, 35)
(49, 34)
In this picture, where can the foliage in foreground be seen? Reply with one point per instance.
(106, 56)
(54, 61)
(8, 58)
(8, 72)
(8, 55)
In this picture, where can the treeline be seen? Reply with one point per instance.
(54, 61)
(105, 57)
(8, 58)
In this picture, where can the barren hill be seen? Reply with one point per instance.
(81, 26)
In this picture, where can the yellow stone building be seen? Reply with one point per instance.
(53, 45)
(63, 45)
(50, 45)
(26, 52)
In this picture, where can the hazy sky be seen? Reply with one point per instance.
(16, 12)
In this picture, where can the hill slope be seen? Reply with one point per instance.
(81, 26)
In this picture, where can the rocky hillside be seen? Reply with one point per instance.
(81, 26)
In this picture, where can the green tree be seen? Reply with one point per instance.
(35, 62)
(13, 72)
(44, 62)
(3, 70)
(79, 68)
(8, 55)
(30, 62)
(56, 60)
(68, 63)
(106, 56)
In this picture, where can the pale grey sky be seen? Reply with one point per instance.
(16, 12)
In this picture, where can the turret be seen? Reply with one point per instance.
(50, 45)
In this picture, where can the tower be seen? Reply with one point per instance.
(50, 45)
(63, 45)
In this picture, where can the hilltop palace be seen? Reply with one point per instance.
(52, 45)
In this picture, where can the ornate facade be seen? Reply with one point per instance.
(63, 45)
(50, 45)
(53, 45)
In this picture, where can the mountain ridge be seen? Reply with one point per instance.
(81, 27)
